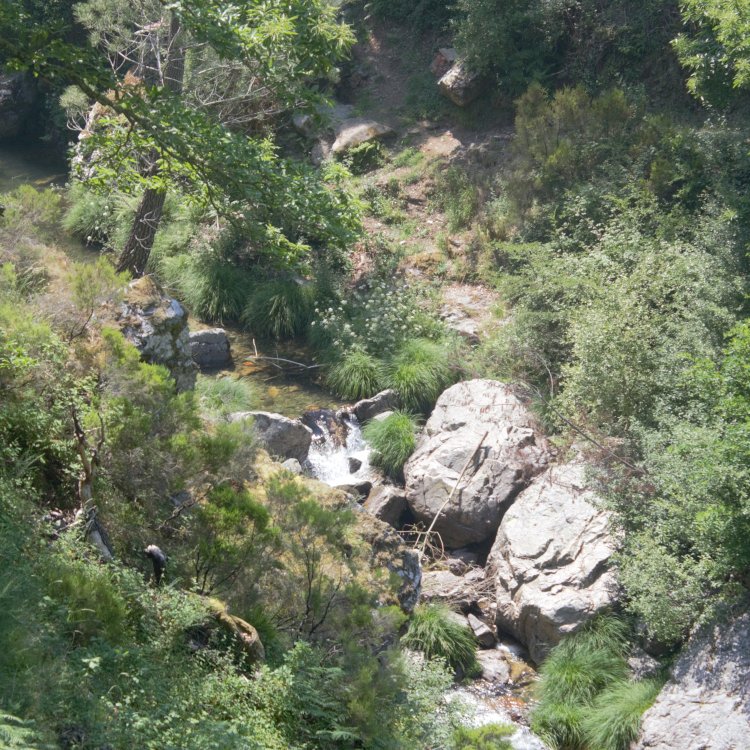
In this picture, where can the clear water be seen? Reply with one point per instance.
(30, 163)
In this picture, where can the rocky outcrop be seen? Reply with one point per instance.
(279, 435)
(157, 325)
(706, 703)
(242, 633)
(387, 503)
(210, 348)
(550, 560)
(16, 103)
(357, 131)
(460, 84)
(444, 59)
(370, 408)
(511, 454)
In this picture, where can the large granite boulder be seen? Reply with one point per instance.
(511, 454)
(355, 132)
(210, 348)
(460, 84)
(17, 98)
(158, 326)
(706, 703)
(280, 436)
(387, 503)
(550, 560)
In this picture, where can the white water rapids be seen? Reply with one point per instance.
(330, 463)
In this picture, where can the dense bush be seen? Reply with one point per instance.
(393, 440)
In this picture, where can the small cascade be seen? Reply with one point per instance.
(338, 454)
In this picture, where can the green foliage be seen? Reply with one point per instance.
(220, 396)
(457, 196)
(18, 735)
(27, 208)
(423, 14)
(364, 157)
(615, 720)
(433, 632)
(488, 737)
(393, 440)
(419, 372)
(355, 376)
(585, 698)
(280, 308)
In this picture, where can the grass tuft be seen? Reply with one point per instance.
(437, 636)
(393, 440)
(279, 309)
(219, 397)
(420, 371)
(355, 376)
(488, 737)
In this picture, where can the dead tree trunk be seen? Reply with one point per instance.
(135, 254)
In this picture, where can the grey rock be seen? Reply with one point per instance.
(367, 409)
(17, 98)
(706, 703)
(460, 84)
(550, 560)
(157, 325)
(482, 632)
(458, 592)
(354, 464)
(382, 416)
(495, 666)
(293, 465)
(321, 151)
(641, 665)
(360, 489)
(210, 348)
(510, 456)
(279, 435)
(387, 503)
(460, 561)
(443, 61)
(356, 131)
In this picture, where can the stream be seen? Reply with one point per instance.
(339, 454)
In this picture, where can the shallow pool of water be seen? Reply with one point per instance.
(30, 163)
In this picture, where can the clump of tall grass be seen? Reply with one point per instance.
(433, 632)
(219, 397)
(280, 308)
(615, 720)
(419, 371)
(393, 440)
(356, 375)
(585, 698)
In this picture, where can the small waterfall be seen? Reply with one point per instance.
(337, 444)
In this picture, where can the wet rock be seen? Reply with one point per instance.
(360, 490)
(550, 560)
(17, 98)
(387, 503)
(327, 425)
(511, 454)
(357, 131)
(460, 84)
(367, 409)
(157, 325)
(706, 703)
(482, 632)
(355, 464)
(495, 666)
(279, 435)
(210, 348)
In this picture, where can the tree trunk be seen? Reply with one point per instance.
(135, 254)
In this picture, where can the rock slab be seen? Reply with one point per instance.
(511, 454)
(387, 503)
(355, 132)
(369, 408)
(210, 348)
(460, 84)
(706, 703)
(550, 560)
(280, 436)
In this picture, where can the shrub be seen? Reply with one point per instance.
(420, 371)
(355, 376)
(457, 196)
(29, 209)
(393, 440)
(279, 309)
(433, 632)
(219, 397)
(615, 719)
